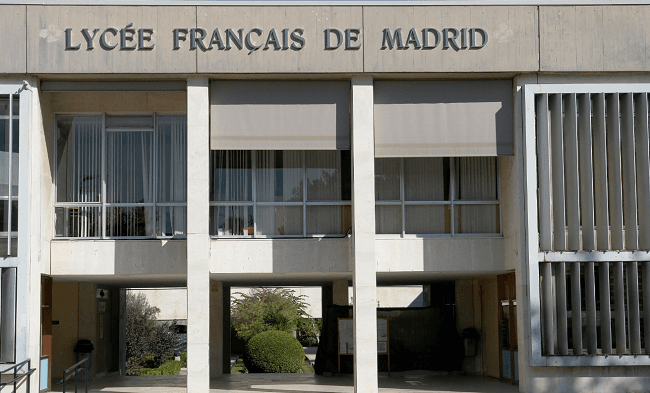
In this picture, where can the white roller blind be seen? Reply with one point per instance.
(442, 119)
(280, 115)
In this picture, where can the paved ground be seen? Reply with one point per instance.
(405, 382)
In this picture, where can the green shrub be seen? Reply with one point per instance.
(170, 367)
(183, 359)
(274, 351)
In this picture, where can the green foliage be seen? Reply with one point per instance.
(267, 309)
(183, 359)
(274, 351)
(170, 367)
(147, 341)
(308, 331)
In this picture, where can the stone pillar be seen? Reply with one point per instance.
(363, 237)
(198, 237)
(340, 293)
(426, 295)
(122, 333)
(225, 321)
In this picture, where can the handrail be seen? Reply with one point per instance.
(75, 371)
(17, 377)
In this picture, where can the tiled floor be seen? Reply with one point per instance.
(404, 382)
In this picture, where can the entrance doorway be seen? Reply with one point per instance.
(508, 354)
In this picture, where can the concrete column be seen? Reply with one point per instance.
(363, 237)
(426, 295)
(340, 293)
(198, 238)
(216, 329)
(225, 320)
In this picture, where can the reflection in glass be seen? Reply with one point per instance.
(84, 221)
(477, 218)
(171, 159)
(279, 176)
(78, 170)
(387, 179)
(279, 220)
(322, 220)
(129, 175)
(232, 175)
(426, 179)
(427, 219)
(231, 220)
(388, 219)
(129, 221)
(328, 175)
(171, 220)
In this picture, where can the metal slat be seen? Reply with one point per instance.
(645, 271)
(590, 305)
(642, 169)
(561, 308)
(586, 173)
(634, 323)
(548, 309)
(571, 173)
(605, 309)
(629, 171)
(615, 181)
(600, 173)
(544, 173)
(576, 310)
(557, 170)
(619, 308)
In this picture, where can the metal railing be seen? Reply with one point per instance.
(18, 377)
(73, 372)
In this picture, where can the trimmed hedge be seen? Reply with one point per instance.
(274, 351)
(170, 367)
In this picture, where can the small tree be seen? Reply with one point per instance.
(267, 309)
(144, 336)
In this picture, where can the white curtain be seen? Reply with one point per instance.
(477, 181)
(324, 184)
(129, 180)
(231, 182)
(171, 157)
(426, 179)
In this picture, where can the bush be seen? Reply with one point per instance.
(170, 367)
(274, 351)
(267, 309)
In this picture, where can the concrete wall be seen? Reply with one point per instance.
(280, 256)
(76, 308)
(172, 302)
(521, 39)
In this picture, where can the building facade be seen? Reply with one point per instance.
(497, 154)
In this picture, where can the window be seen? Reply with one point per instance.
(263, 193)
(9, 112)
(7, 315)
(437, 196)
(121, 176)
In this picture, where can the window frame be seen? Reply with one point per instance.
(103, 204)
(254, 203)
(452, 202)
(9, 234)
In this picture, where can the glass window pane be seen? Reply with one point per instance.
(427, 219)
(129, 221)
(328, 220)
(279, 176)
(129, 175)
(4, 105)
(231, 178)
(477, 219)
(3, 247)
(476, 178)
(4, 216)
(4, 157)
(279, 220)
(387, 174)
(79, 153)
(171, 159)
(171, 220)
(426, 179)
(129, 121)
(328, 175)
(84, 221)
(388, 219)
(14, 215)
(231, 220)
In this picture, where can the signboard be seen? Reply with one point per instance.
(346, 338)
